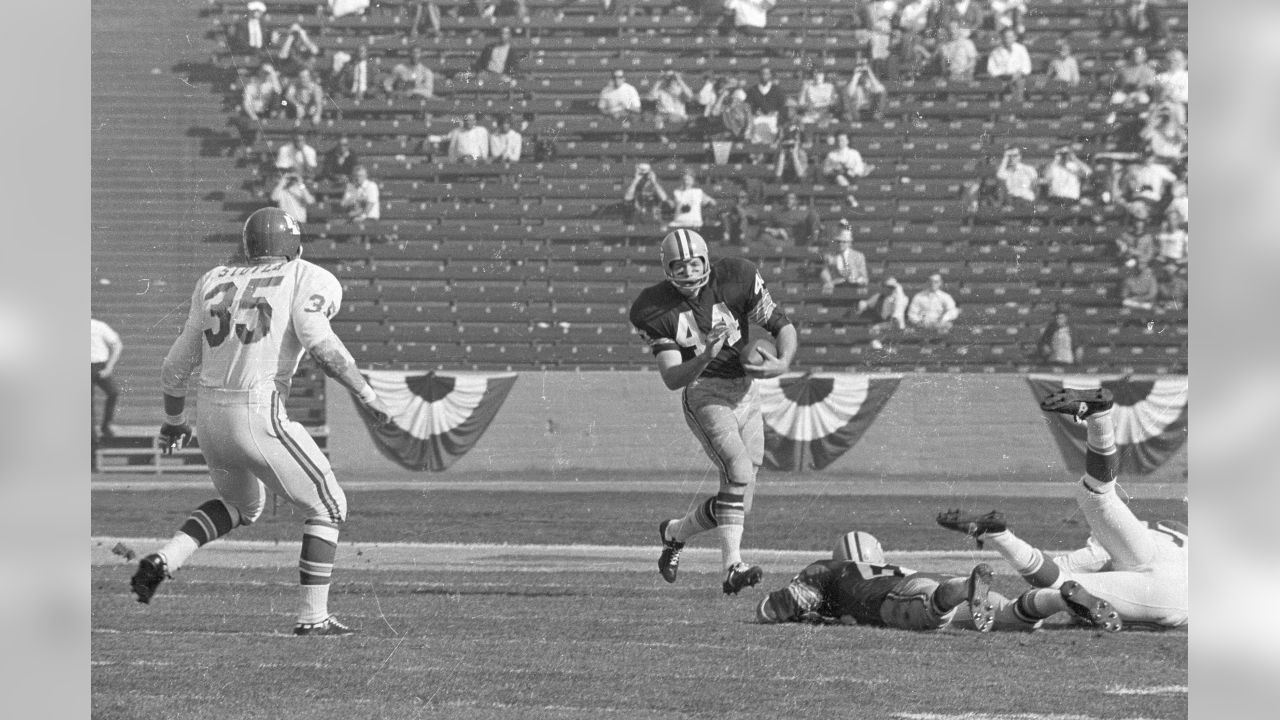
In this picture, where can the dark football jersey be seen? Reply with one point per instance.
(735, 295)
(855, 589)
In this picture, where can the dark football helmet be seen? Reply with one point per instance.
(271, 232)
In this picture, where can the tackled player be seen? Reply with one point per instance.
(697, 323)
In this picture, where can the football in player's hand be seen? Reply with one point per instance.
(753, 353)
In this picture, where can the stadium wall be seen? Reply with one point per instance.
(934, 427)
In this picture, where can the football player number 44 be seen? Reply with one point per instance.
(252, 313)
(688, 334)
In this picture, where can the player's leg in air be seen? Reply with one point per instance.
(724, 416)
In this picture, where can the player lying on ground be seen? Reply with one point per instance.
(1129, 572)
(697, 323)
(857, 587)
(249, 323)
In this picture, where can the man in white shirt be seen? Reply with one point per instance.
(361, 201)
(619, 99)
(1019, 178)
(506, 144)
(1148, 182)
(1174, 79)
(297, 157)
(688, 202)
(292, 196)
(844, 164)
(104, 352)
(933, 308)
(412, 79)
(750, 16)
(1010, 62)
(1063, 176)
(469, 143)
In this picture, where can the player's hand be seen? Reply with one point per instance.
(379, 412)
(174, 437)
(772, 366)
(715, 340)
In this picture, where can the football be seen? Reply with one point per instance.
(751, 352)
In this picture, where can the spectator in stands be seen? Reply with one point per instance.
(1010, 62)
(1136, 242)
(817, 102)
(469, 142)
(843, 165)
(958, 56)
(914, 18)
(412, 78)
(343, 8)
(1009, 14)
(735, 114)
(298, 157)
(768, 108)
(794, 224)
(292, 196)
(1173, 80)
(791, 155)
(1177, 210)
(1147, 183)
(687, 203)
(498, 60)
(1064, 176)
(340, 161)
(505, 143)
(1172, 241)
(886, 310)
(1063, 67)
(425, 13)
(1138, 20)
(352, 76)
(1139, 288)
(493, 9)
(619, 99)
(105, 348)
(249, 35)
(304, 98)
(644, 196)
(967, 14)
(1020, 179)
(864, 95)
(1060, 344)
(670, 95)
(1171, 287)
(740, 221)
(843, 265)
(360, 200)
(750, 17)
(933, 309)
(1165, 134)
(297, 51)
(1133, 78)
(263, 97)
(709, 93)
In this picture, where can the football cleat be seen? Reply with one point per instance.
(975, 526)
(977, 594)
(152, 570)
(328, 626)
(741, 576)
(1079, 404)
(1090, 608)
(669, 560)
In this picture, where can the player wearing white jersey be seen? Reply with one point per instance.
(249, 324)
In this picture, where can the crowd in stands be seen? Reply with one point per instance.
(804, 129)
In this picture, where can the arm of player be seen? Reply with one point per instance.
(787, 342)
(175, 372)
(677, 374)
(335, 360)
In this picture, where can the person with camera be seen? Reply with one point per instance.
(361, 199)
(292, 196)
(619, 99)
(843, 165)
(863, 94)
(1063, 177)
(791, 156)
(645, 196)
(670, 96)
(1020, 179)
(688, 200)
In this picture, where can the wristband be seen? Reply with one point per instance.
(367, 395)
(179, 419)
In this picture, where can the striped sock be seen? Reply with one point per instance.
(1029, 609)
(1101, 459)
(315, 567)
(700, 519)
(731, 516)
(207, 523)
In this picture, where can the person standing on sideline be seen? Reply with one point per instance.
(697, 323)
(250, 322)
(104, 352)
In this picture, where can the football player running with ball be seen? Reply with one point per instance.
(250, 321)
(697, 323)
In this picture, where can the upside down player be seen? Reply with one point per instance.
(250, 322)
(1129, 572)
(697, 323)
(858, 587)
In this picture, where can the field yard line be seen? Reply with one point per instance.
(999, 716)
(1157, 690)
(484, 557)
(767, 486)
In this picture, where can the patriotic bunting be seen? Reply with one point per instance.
(811, 420)
(1150, 419)
(435, 418)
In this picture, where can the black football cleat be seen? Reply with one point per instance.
(669, 560)
(328, 627)
(1090, 608)
(1079, 404)
(977, 595)
(152, 570)
(975, 526)
(741, 576)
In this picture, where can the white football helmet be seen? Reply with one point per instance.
(859, 546)
(682, 245)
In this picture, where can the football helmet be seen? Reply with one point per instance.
(271, 232)
(682, 245)
(859, 546)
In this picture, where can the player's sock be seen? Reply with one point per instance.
(1101, 459)
(1038, 604)
(207, 523)
(731, 515)
(315, 567)
(1027, 560)
(700, 519)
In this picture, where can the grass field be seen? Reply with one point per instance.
(527, 604)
